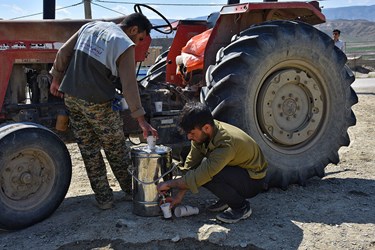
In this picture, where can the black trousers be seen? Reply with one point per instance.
(233, 185)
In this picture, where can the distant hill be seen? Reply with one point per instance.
(156, 34)
(351, 30)
(357, 23)
(350, 13)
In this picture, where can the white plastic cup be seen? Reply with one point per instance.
(186, 210)
(151, 142)
(159, 106)
(166, 208)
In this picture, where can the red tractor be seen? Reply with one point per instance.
(260, 66)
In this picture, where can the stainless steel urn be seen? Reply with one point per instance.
(149, 168)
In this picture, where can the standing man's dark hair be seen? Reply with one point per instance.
(336, 30)
(139, 20)
(195, 115)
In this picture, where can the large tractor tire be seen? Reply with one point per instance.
(35, 174)
(286, 85)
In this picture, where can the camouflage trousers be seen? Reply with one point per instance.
(96, 127)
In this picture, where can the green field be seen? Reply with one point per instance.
(364, 49)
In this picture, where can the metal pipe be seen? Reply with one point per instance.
(49, 9)
(87, 4)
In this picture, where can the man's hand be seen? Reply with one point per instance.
(178, 198)
(146, 127)
(163, 188)
(54, 89)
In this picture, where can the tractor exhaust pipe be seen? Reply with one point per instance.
(238, 1)
(49, 9)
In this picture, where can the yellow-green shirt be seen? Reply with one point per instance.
(230, 146)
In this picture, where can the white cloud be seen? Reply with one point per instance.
(14, 9)
(63, 14)
(121, 9)
(362, 2)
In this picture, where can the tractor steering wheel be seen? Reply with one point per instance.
(137, 8)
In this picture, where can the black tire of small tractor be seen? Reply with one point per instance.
(158, 69)
(35, 174)
(286, 85)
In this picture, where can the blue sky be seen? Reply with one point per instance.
(10, 9)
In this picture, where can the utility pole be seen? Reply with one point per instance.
(87, 4)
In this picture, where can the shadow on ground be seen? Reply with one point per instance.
(275, 222)
(184, 244)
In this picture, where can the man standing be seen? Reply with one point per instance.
(86, 66)
(223, 159)
(336, 39)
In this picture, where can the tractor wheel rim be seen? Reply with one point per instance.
(27, 178)
(291, 106)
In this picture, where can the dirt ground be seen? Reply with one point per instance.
(336, 212)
